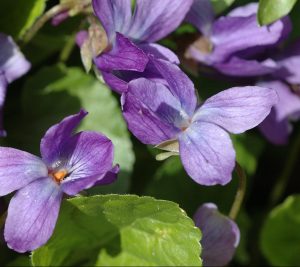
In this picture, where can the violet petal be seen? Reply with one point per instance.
(276, 126)
(32, 215)
(179, 84)
(159, 52)
(12, 62)
(238, 109)
(202, 16)
(87, 156)
(151, 122)
(207, 153)
(18, 169)
(220, 235)
(125, 55)
(115, 15)
(55, 138)
(154, 20)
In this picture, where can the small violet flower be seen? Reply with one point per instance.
(220, 235)
(130, 37)
(12, 66)
(286, 82)
(168, 116)
(69, 164)
(235, 44)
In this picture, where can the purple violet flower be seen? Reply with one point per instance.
(69, 164)
(168, 117)
(131, 36)
(13, 65)
(286, 81)
(235, 44)
(220, 235)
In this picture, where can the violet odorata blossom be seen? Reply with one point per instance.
(286, 81)
(131, 37)
(13, 65)
(235, 44)
(169, 117)
(220, 235)
(70, 163)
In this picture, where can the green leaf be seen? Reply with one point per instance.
(280, 238)
(56, 92)
(270, 11)
(17, 16)
(221, 5)
(114, 230)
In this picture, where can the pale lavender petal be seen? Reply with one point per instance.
(276, 126)
(231, 35)
(207, 153)
(220, 235)
(87, 157)
(12, 62)
(18, 169)
(154, 20)
(125, 55)
(244, 11)
(115, 15)
(55, 138)
(179, 84)
(202, 16)
(150, 111)
(32, 215)
(160, 52)
(238, 109)
(239, 67)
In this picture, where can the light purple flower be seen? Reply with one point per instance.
(168, 116)
(220, 235)
(70, 163)
(235, 44)
(132, 36)
(12, 66)
(277, 127)
(286, 82)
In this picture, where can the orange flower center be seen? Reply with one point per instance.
(59, 176)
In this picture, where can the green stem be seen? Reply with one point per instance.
(282, 181)
(43, 19)
(68, 48)
(240, 194)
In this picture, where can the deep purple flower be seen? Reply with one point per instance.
(168, 116)
(220, 235)
(69, 164)
(235, 44)
(131, 37)
(12, 66)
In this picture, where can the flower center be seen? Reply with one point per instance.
(58, 176)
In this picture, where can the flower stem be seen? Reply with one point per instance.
(282, 181)
(240, 194)
(43, 19)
